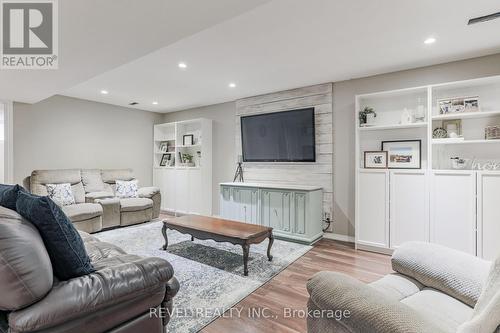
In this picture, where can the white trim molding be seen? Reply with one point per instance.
(338, 237)
(9, 141)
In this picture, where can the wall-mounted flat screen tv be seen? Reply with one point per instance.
(286, 136)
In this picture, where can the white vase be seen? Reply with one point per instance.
(370, 119)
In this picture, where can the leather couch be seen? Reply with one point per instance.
(96, 206)
(119, 297)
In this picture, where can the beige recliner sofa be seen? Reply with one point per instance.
(96, 206)
(434, 290)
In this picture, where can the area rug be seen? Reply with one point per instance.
(210, 273)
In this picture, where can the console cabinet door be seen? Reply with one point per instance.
(409, 207)
(453, 209)
(300, 211)
(226, 203)
(372, 221)
(488, 204)
(248, 205)
(276, 206)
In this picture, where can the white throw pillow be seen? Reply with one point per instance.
(61, 194)
(127, 189)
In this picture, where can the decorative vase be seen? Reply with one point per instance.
(370, 119)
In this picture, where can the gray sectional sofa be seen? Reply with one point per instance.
(434, 290)
(96, 206)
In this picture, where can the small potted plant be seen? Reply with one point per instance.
(367, 116)
(187, 159)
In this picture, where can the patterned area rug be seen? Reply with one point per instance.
(210, 273)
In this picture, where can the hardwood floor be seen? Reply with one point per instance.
(288, 289)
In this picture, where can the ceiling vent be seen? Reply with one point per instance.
(133, 103)
(485, 18)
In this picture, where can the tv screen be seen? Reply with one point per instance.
(286, 136)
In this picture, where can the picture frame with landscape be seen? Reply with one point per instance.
(375, 160)
(403, 154)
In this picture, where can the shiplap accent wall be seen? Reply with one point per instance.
(318, 173)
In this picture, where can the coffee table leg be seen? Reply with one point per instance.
(164, 232)
(271, 240)
(192, 239)
(246, 250)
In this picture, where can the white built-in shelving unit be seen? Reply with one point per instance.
(456, 208)
(186, 188)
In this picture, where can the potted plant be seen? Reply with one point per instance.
(367, 116)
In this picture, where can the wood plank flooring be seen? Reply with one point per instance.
(288, 289)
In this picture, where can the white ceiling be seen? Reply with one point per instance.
(96, 36)
(276, 45)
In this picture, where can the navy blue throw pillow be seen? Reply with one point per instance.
(8, 195)
(64, 244)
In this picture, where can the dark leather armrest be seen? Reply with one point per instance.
(90, 293)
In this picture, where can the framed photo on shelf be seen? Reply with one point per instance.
(164, 160)
(188, 140)
(404, 154)
(458, 105)
(164, 147)
(375, 160)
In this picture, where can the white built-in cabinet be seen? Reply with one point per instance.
(453, 213)
(409, 206)
(389, 214)
(435, 203)
(186, 188)
(488, 204)
(372, 228)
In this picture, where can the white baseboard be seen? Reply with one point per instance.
(342, 238)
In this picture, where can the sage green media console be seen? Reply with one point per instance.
(293, 211)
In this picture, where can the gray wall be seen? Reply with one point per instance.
(343, 120)
(223, 141)
(63, 132)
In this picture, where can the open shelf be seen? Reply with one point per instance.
(460, 142)
(467, 115)
(395, 126)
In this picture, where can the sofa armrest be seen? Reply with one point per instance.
(147, 192)
(453, 272)
(91, 293)
(91, 197)
(363, 308)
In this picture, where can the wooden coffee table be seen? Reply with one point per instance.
(219, 230)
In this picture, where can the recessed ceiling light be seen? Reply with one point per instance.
(430, 40)
(155, 103)
(182, 65)
(232, 85)
(104, 92)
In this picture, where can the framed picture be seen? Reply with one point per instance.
(453, 127)
(164, 147)
(405, 154)
(458, 104)
(375, 159)
(188, 140)
(164, 159)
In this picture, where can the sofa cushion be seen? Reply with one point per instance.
(455, 273)
(8, 195)
(39, 179)
(135, 204)
(25, 269)
(397, 286)
(486, 316)
(92, 180)
(82, 212)
(111, 175)
(444, 311)
(63, 243)
(126, 189)
(61, 193)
